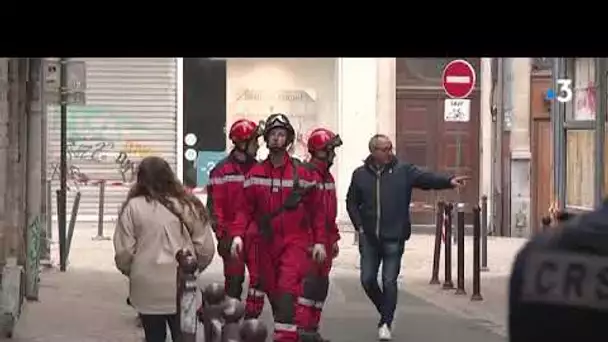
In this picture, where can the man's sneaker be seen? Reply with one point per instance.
(384, 333)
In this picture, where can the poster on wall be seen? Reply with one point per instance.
(205, 162)
(299, 104)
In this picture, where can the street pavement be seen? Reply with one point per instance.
(87, 303)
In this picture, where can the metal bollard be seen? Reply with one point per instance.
(61, 213)
(484, 234)
(49, 211)
(213, 307)
(232, 313)
(100, 212)
(447, 282)
(186, 295)
(47, 237)
(476, 296)
(456, 207)
(546, 223)
(72, 225)
(253, 330)
(460, 258)
(437, 251)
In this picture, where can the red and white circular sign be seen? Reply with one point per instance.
(458, 79)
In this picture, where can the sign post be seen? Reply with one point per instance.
(458, 81)
(75, 82)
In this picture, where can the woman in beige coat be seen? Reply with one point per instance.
(158, 219)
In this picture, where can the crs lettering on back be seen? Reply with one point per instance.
(566, 279)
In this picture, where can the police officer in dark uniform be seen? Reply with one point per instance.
(559, 284)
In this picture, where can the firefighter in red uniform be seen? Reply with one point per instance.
(283, 209)
(321, 145)
(223, 192)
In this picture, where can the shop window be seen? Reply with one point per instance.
(580, 163)
(583, 103)
(303, 88)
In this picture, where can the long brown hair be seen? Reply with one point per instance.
(157, 182)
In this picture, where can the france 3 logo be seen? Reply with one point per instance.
(564, 93)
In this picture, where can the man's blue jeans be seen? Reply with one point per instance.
(389, 253)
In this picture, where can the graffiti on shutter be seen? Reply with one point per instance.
(95, 142)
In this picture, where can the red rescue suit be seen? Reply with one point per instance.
(224, 188)
(319, 274)
(283, 243)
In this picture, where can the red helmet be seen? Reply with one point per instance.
(323, 139)
(244, 130)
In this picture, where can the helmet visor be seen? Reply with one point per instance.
(278, 120)
(335, 142)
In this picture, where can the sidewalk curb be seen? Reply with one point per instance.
(468, 310)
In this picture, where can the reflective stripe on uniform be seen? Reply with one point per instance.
(326, 186)
(256, 293)
(285, 327)
(306, 302)
(276, 182)
(226, 179)
(310, 303)
(257, 181)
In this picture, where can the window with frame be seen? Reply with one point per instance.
(580, 141)
(582, 74)
(580, 165)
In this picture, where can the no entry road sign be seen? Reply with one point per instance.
(458, 79)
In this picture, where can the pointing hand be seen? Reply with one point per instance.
(459, 181)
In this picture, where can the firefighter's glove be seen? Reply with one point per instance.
(318, 253)
(236, 247)
(335, 250)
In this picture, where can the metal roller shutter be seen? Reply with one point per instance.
(130, 113)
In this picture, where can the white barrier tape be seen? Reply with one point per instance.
(421, 205)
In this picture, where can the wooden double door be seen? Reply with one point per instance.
(425, 139)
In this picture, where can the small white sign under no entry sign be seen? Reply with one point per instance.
(457, 110)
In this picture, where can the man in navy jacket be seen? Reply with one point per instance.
(378, 202)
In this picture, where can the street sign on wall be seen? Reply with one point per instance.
(457, 110)
(77, 82)
(458, 79)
